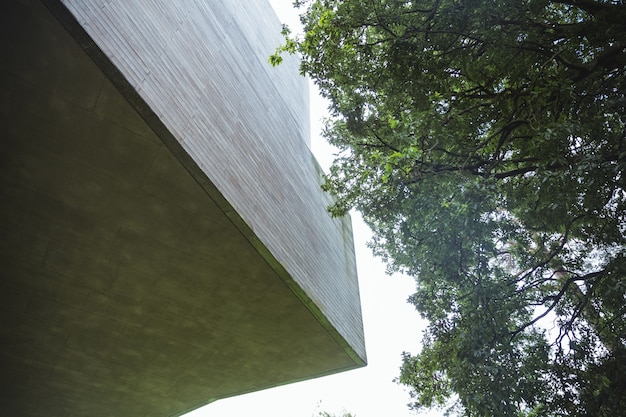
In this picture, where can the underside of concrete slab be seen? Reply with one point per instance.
(158, 255)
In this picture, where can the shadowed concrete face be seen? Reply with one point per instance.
(125, 289)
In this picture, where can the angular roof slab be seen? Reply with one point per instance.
(163, 239)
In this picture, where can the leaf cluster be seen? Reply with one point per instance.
(483, 142)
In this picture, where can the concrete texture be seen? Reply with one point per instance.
(162, 246)
(199, 69)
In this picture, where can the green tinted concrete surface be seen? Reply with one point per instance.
(125, 290)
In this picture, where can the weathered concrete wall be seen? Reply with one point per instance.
(201, 67)
(129, 285)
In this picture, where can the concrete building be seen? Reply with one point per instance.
(164, 241)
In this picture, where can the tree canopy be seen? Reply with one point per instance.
(483, 143)
(327, 414)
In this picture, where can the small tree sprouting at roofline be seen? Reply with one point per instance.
(483, 143)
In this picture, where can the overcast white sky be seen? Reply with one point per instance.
(391, 327)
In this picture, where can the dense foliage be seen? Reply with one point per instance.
(483, 142)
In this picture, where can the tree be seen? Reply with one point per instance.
(483, 143)
(327, 414)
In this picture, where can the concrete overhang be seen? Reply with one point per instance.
(163, 238)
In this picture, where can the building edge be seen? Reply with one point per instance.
(117, 78)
